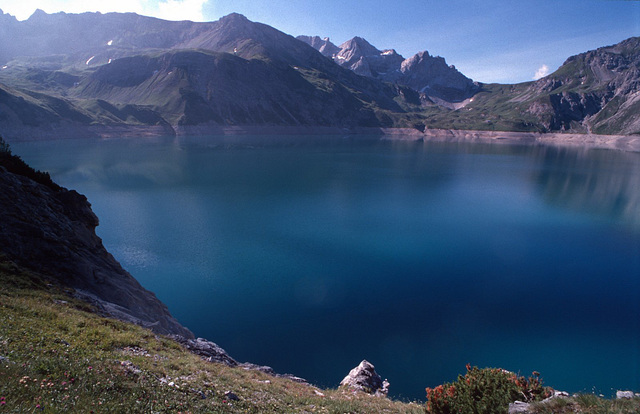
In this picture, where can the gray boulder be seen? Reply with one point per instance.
(625, 395)
(365, 378)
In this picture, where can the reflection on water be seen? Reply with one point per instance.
(420, 257)
(594, 181)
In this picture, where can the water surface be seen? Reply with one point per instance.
(313, 254)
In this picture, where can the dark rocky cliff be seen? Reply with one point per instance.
(51, 230)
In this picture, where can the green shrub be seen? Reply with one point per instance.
(4, 147)
(487, 390)
(16, 165)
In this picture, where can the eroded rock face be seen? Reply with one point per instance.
(365, 378)
(51, 230)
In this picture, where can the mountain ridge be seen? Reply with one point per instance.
(151, 76)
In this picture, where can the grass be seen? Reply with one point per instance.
(587, 404)
(58, 356)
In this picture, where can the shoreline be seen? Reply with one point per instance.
(629, 143)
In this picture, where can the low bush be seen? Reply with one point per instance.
(487, 390)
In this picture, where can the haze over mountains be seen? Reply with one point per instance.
(95, 74)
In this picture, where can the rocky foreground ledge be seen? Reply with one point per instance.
(51, 231)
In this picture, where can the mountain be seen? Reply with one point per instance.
(95, 74)
(25, 114)
(593, 92)
(50, 231)
(125, 69)
(422, 72)
(191, 87)
(596, 91)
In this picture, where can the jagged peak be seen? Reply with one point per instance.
(355, 48)
(358, 42)
(315, 41)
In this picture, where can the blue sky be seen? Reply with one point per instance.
(503, 41)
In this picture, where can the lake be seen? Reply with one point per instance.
(309, 254)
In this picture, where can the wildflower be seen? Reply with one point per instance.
(451, 391)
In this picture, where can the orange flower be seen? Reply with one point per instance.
(451, 391)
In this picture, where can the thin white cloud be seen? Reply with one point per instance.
(541, 72)
(167, 9)
(181, 10)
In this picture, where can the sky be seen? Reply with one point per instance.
(503, 41)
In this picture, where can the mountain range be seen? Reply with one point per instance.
(98, 74)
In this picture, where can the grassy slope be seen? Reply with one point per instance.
(58, 356)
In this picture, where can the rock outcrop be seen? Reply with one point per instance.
(626, 395)
(51, 230)
(211, 352)
(322, 45)
(365, 378)
(422, 72)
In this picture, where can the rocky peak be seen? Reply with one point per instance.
(353, 50)
(421, 72)
(322, 45)
(434, 77)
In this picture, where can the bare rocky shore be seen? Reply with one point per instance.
(614, 142)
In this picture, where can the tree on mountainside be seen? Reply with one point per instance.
(14, 164)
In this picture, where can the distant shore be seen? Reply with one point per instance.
(615, 142)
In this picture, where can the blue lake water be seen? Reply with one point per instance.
(309, 255)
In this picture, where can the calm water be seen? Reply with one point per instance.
(311, 256)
